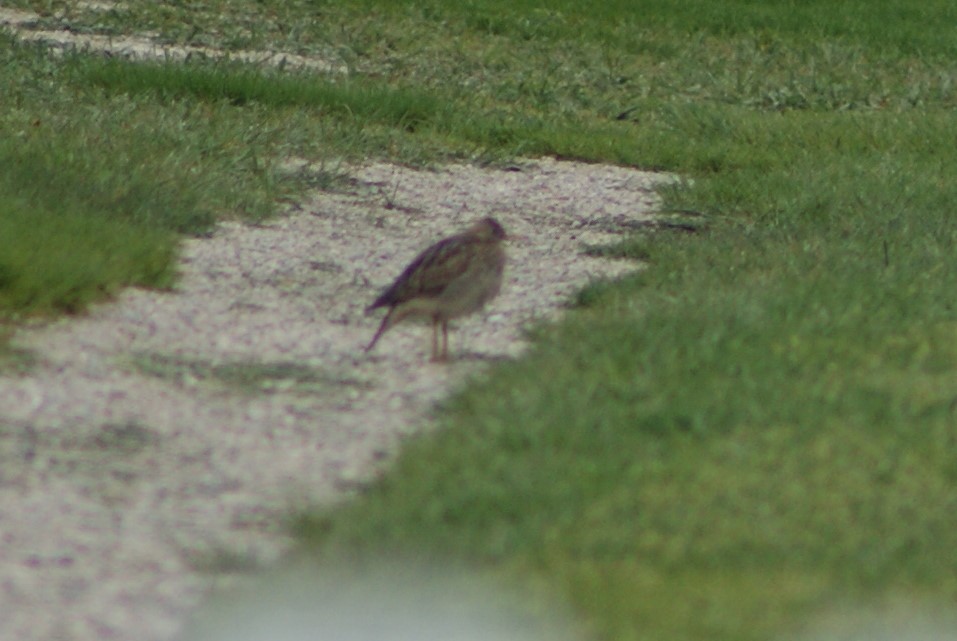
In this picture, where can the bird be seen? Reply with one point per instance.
(454, 277)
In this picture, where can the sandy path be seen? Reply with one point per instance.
(158, 440)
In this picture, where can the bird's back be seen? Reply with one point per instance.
(445, 270)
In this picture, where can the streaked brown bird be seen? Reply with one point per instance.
(454, 277)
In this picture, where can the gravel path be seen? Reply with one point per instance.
(143, 46)
(158, 440)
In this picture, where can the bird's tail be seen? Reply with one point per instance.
(383, 326)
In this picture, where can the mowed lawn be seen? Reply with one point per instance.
(758, 427)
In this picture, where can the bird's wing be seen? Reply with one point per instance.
(431, 272)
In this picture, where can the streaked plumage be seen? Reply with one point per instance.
(454, 277)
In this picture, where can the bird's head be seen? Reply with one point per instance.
(488, 228)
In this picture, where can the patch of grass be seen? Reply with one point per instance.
(54, 261)
(374, 103)
(92, 192)
(439, 116)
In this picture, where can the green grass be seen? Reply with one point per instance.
(754, 428)
(240, 84)
(61, 261)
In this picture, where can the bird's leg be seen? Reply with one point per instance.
(435, 339)
(386, 324)
(445, 340)
(437, 356)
